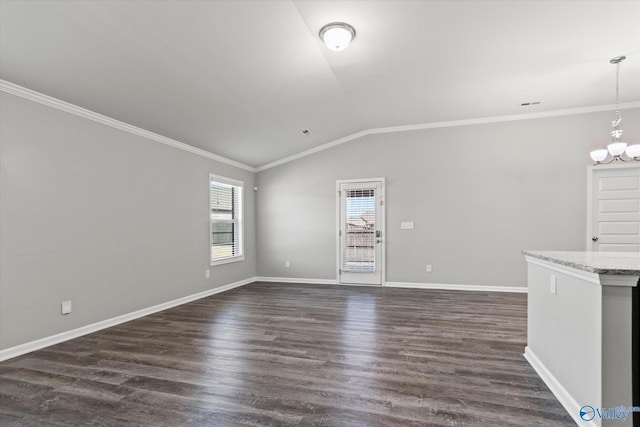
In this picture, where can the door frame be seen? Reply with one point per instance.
(383, 244)
(590, 171)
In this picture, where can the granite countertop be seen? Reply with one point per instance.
(618, 263)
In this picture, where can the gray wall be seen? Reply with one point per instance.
(478, 195)
(117, 223)
(109, 220)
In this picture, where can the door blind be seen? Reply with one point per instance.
(359, 231)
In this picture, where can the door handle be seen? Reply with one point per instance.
(594, 238)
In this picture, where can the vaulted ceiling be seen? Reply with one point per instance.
(242, 79)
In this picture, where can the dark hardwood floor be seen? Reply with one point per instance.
(301, 355)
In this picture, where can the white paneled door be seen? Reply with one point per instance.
(615, 209)
(360, 231)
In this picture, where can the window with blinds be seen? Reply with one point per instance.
(358, 252)
(226, 220)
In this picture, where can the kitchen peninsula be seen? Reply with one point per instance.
(583, 329)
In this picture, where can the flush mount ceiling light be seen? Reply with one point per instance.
(617, 150)
(337, 35)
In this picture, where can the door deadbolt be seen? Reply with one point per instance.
(594, 238)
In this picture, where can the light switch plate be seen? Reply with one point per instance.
(407, 225)
(553, 284)
(66, 307)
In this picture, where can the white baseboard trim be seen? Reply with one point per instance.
(446, 286)
(561, 393)
(25, 348)
(456, 287)
(297, 280)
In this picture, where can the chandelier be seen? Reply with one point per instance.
(617, 150)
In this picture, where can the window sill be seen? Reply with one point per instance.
(227, 260)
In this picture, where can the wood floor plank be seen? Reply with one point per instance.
(272, 354)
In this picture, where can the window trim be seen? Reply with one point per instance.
(239, 220)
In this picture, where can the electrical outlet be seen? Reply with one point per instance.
(553, 284)
(428, 268)
(287, 264)
(207, 273)
(66, 307)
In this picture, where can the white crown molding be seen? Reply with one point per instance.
(49, 101)
(25, 348)
(587, 276)
(628, 280)
(452, 123)
(67, 107)
(313, 150)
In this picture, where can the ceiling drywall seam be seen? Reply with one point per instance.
(315, 35)
(49, 101)
(452, 123)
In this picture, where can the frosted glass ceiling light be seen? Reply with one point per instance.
(633, 151)
(337, 35)
(617, 148)
(599, 155)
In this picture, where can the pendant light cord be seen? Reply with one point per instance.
(617, 95)
(616, 133)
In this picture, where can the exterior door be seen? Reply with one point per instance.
(361, 231)
(615, 209)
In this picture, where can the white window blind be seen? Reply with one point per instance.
(226, 220)
(358, 252)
